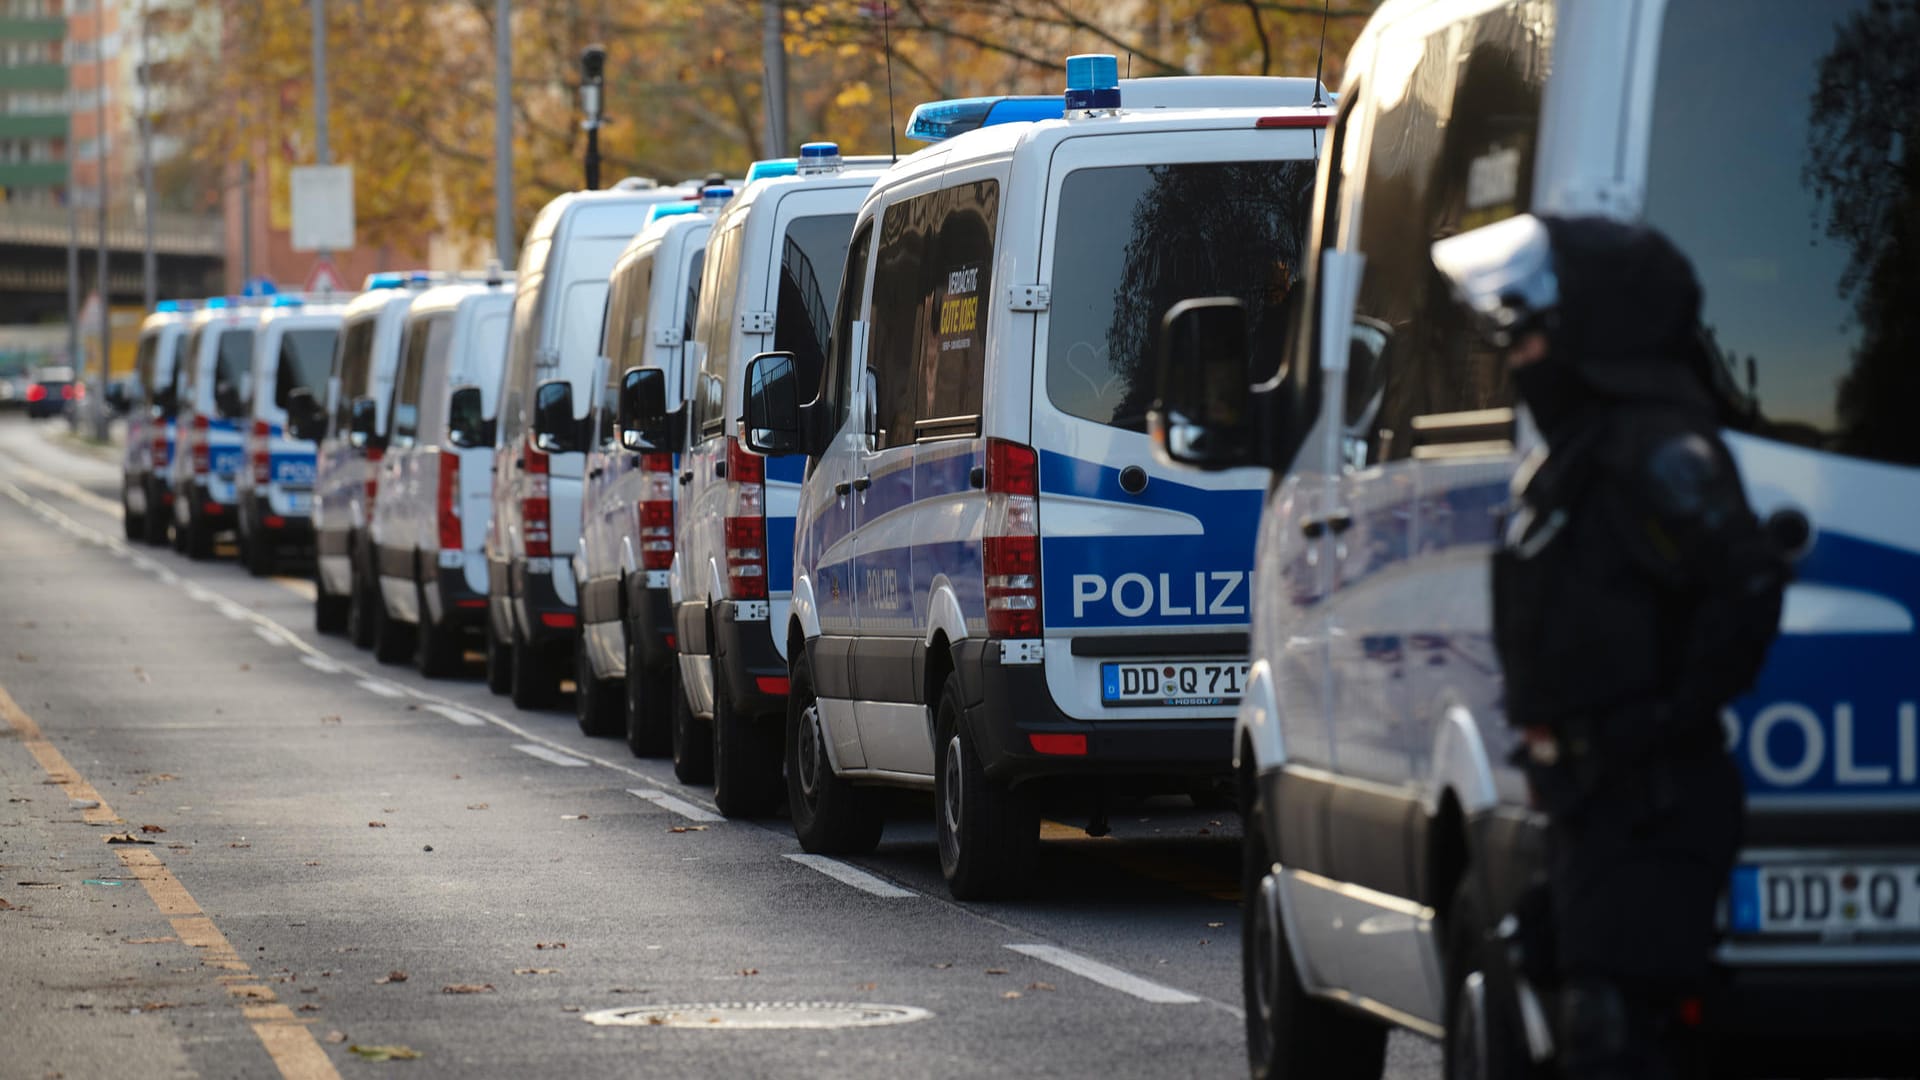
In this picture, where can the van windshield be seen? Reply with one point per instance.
(306, 358)
(1133, 240)
(1783, 159)
(234, 366)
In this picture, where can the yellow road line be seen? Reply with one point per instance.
(287, 1040)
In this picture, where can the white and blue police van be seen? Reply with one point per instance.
(349, 423)
(210, 389)
(146, 502)
(625, 677)
(1388, 834)
(998, 593)
(540, 460)
(436, 476)
(771, 270)
(293, 347)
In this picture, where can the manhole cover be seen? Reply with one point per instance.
(764, 1015)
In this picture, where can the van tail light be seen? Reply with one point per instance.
(1011, 551)
(202, 451)
(536, 508)
(374, 454)
(656, 511)
(160, 450)
(36, 394)
(259, 454)
(746, 524)
(447, 504)
(1293, 122)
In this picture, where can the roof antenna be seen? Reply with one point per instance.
(1321, 56)
(1129, 63)
(886, 44)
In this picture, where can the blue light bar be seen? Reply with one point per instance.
(818, 157)
(673, 209)
(215, 303)
(419, 279)
(1093, 82)
(288, 301)
(762, 170)
(167, 307)
(386, 279)
(936, 121)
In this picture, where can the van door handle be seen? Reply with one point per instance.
(1336, 523)
(862, 483)
(686, 478)
(842, 487)
(597, 472)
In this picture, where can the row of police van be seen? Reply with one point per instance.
(1128, 442)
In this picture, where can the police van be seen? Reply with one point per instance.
(436, 475)
(772, 268)
(145, 499)
(210, 386)
(627, 505)
(1389, 834)
(293, 348)
(560, 296)
(998, 594)
(349, 422)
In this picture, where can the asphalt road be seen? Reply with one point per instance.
(312, 825)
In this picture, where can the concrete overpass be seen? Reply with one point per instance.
(189, 258)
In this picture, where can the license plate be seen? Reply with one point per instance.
(1787, 898)
(299, 502)
(1173, 682)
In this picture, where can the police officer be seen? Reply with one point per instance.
(1634, 596)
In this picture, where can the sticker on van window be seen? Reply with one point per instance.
(1494, 178)
(960, 309)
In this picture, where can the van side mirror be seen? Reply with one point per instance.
(226, 400)
(466, 427)
(773, 404)
(1202, 415)
(642, 411)
(555, 429)
(362, 425)
(305, 418)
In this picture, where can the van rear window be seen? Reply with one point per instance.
(306, 356)
(1134, 240)
(1784, 159)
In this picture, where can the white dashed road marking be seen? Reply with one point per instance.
(1110, 977)
(270, 637)
(547, 754)
(327, 667)
(373, 686)
(847, 875)
(464, 719)
(673, 805)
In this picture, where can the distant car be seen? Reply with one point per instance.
(49, 389)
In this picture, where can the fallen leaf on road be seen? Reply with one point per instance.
(467, 988)
(391, 977)
(385, 1053)
(426, 847)
(313, 864)
(151, 829)
(1011, 994)
(943, 965)
(162, 777)
(309, 1007)
(656, 1018)
(37, 884)
(335, 1037)
(246, 667)
(573, 817)
(4, 906)
(239, 845)
(25, 658)
(869, 986)
(329, 719)
(688, 828)
(749, 971)
(549, 944)
(142, 676)
(126, 838)
(156, 1006)
(149, 940)
(536, 971)
(19, 798)
(477, 806)
(996, 971)
(1039, 986)
(569, 1008)
(376, 824)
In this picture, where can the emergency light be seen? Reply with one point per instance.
(714, 198)
(663, 210)
(1093, 82)
(936, 121)
(216, 303)
(386, 279)
(762, 170)
(817, 158)
(167, 307)
(288, 301)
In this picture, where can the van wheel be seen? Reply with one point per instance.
(535, 684)
(988, 832)
(1291, 1035)
(499, 662)
(1485, 1040)
(746, 757)
(259, 555)
(692, 744)
(392, 639)
(361, 604)
(600, 711)
(132, 524)
(649, 710)
(329, 611)
(830, 816)
(199, 540)
(156, 522)
(437, 648)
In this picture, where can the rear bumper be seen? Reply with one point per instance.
(1007, 704)
(743, 653)
(650, 622)
(529, 603)
(265, 524)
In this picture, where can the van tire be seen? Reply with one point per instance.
(746, 757)
(1292, 1035)
(648, 712)
(132, 524)
(692, 743)
(988, 832)
(830, 815)
(199, 539)
(259, 555)
(156, 522)
(438, 652)
(392, 639)
(1484, 1039)
(600, 711)
(499, 662)
(362, 602)
(535, 685)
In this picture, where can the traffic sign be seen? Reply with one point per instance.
(322, 200)
(323, 278)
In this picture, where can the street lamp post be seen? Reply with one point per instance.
(593, 66)
(98, 404)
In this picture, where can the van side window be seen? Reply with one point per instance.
(520, 347)
(717, 318)
(624, 339)
(305, 355)
(835, 385)
(1454, 152)
(690, 321)
(899, 317)
(356, 348)
(959, 287)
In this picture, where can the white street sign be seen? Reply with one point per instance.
(322, 199)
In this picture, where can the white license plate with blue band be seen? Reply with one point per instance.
(299, 502)
(1801, 898)
(1172, 682)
